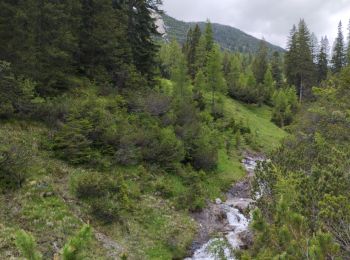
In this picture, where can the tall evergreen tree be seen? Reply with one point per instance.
(190, 49)
(276, 68)
(215, 77)
(300, 69)
(209, 37)
(40, 41)
(180, 78)
(260, 62)
(201, 54)
(291, 57)
(348, 47)
(314, 45)
(338, 57)
(322, 60)
(140, 31)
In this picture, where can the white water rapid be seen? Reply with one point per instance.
(224, 245)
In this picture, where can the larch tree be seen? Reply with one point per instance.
(215, 77)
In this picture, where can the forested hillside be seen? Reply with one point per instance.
(229, 38)
(111, 141)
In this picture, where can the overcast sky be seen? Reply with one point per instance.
(271, 19)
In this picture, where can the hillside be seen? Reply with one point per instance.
(228, 37)
(156, 228)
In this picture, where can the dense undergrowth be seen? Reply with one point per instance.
(138, 204)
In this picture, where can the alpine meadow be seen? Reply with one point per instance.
(129, 131)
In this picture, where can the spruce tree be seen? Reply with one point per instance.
(141, 30)
(348, 47)
(300, 68)
(190, 48)
(291, 57)
(100, 58)
(260, 62)
(209, 37)
(338, 57)
(322, 60)
(276, 68)
(306, 68)
(40, 41)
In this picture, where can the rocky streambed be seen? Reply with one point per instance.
(227, 222)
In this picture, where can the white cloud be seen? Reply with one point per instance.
(271, 19)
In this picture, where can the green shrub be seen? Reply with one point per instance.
(14, 162)
(27, 246)
(164, 148)
(106, 194)
(74, 249)
(71, 142)
(87, 185)
(204, 152)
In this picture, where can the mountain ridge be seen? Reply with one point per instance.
(228, 37)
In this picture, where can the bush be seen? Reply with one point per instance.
(14, 162)
(164, 148)
(27, 246)
(204, 152)
(71, 142)
(74, 249)
(87, 185)
(106, 194)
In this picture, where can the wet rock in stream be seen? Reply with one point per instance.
(228, 220)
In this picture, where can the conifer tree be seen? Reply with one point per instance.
(260, 62)
(291, 57)
(102, 26)
(201, 54)
(269, 86)
(338, 57)
(209, 37)
(314, 46)
(180, 78)
(190, 47)
(276, 68)
(141, 28)
(300, 68)
(348, 47)
(322, 59)
(215, 77)
(40, 40)
(233, 75)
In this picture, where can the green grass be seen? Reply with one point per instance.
(229, 171)
(258, 119)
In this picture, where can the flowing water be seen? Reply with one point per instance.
(237, 224)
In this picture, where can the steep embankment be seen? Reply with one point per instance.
(45, 207)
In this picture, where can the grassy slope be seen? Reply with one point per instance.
(259, 120)
(152, 228)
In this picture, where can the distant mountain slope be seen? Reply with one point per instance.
(228, 37)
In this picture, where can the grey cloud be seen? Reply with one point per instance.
(271, 19)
